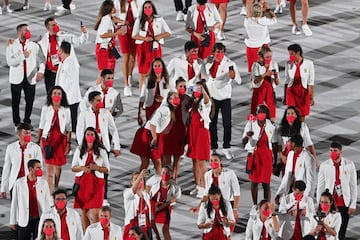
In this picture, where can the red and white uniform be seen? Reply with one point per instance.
(256, 229)
(333, 220)
(95, 231)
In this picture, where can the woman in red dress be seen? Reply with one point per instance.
(90, 162)
(55, 134)
(221, 5)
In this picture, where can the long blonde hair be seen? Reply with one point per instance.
(256, 10)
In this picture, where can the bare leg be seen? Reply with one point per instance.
(166, 160)
(125, 68)
(194, 169)
(85, 218)
(141, 80)
(176, 167)
(223, 14)
(201, 170)
(254, 192)
(302, 118)
(50, 176)
(95, 214)
(157, 165)
(267, 192)
(166, 231)
(304, 11)
(292, 9)
(57, 176)
(144, 163)
(131, 63)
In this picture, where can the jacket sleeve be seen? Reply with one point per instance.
(311, 74)
(42, 118)
(87, 235)
(6, 171)
(79, 229)
(114, 132)
(80, 128)
(202, 214)
(237, 74)
(40, 59)
(165, 27)
(84, 103)
(321, 182)
(118, 107)
(235, 184)
(283, 188)
(353, 185)
(248, 232)
(14, 57)
(68, 125)
(309, 171)
(14, 205)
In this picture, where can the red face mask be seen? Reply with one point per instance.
(194, 56)
(27, 138)
(48, 231)
(176, 101)
(267, 212)
(90, 139)
(27, 35)
(214, 165)
(100, 105)
(56, 28)
(148, 11)
(334, 155)
(215, 203)
(292, 58)
(38, 172)
(197, 94)
(56, 99)
(60, 205)
(261, 116)
(103, 221)
(109, 83)
(219, 56)
(181, 91)
(324, 207)
(290, 119)
(131, 238)
(158, 70)
(165, 177)
(267, 61)
(298, 196)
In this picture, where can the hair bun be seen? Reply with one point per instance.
(327, 190)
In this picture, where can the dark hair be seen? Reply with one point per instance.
(63, 102)
(20, 26)
(218, 46)
(105, 209)
(66, 47)
(297, 139)
(285, 128)
(171, 107)
(336, 145)
(59, 191)
(213, 191)
(151, 81)
(300, 184)
(327, 194)
(105, 72)
(190, 45)
(264, 49)
(179, 80)
(262, 202)
(216, 155)
(31, 163)
(263, 108)
(25, 126)
(105, 9)
(143, 17)
(96, 145)
(296, 48)
(168, 167)
(195, 104)
(309, 237)
(42, 237)
(201, 2)
(49, 19)
(139, 232)
(92, 95)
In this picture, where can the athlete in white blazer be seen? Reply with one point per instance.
(47, 113)
(306, 71)
(136, 7)
(211, 14)
(147, 96)
(154, 182)
(254, 126)
(159, 25)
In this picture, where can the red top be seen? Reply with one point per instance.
(215, 180)
(296, 155)
(191, 72)
(105, 91)
(214, 68)
(97, 126)
(297, 76)
(339, 200)
(53, 44)
(22, 165)
(130, 18)
(23, 48)
(64, 227)
(106, 233)
(200, 22)
(33, 203)
(264, 234)
(297, 235)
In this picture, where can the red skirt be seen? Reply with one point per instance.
(174, 141)
(145, 55)
(163, 216)
(299, 97)
(104, 58)
(204, 52)
(141, 144)
(262, 170)
(91, 191)
(216, 233)
(58, 142)
(265, 93)
(252, 56)
(219, 1)
(198, 139)
(127, 43)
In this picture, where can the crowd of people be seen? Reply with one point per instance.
(181, 100)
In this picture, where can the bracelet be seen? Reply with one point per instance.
(235, 209)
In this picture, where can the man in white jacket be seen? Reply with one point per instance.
(339, 176)
(31, 197)
(26, 65)
(67, 220)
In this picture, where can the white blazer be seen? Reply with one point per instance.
(47, 113)
(178, 67)
(159, 25)
(220, 86)
(67, 77)
(212, 16)
(204, 218)
(106, 26)
(148, 95)
(348, 179)
(304, 132)
(95, 232)
(106, 123)
(73, 222)
(254, 126)
(161, 118)
(257, 31)
(255, 225)
(288, 204)
(136, 8)
(257, 70)
(173, 192)
(131, 204)
(204, 110)
(304, 170)
(102, 160)
(307, 73)
(15, 59)
(19, 211)
(333, 220)
(12, 163)
(228, 183)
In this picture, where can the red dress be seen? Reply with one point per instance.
(155, 105)
(252, 56)
(219, 1)
(198, 139)
(297, 95)
(57, 141)
(217, 231)
(127, 43)
(264, 93)
(262, 161)
(91, 191)
(163, 216)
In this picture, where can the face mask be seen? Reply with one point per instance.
(176, 101)
(292, 58)
(324, 207)
(56, 99)
(219, 56)
(90, 139)
(166, 177)
(60, 205)
(56, 28)
(298, 196)
(48, 231)
(27, 138)
(215, 203)
(27, 35)
(197, 94)
(290, 119)
(109, 83)
(266, 212)
(214, 165)
(100, 105)
(131, 238)
(334, 155)
(267, 61)
(141, 185)
(38, 172)
(103, 221)
(148, 11)
(158, 70)
(261, 116)
(194, 56)
(181, 91)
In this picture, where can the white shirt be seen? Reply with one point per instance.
(73, 222)
(106, 26)
(348, 180)
(12, 163)
(307, 73)
(159, 26)
(211, 14)
(174, 190)
(15, 59)
(257, 70)
(258, 31)
(67, 77)
(228, 183)
(96, 232)
(254, 126)
(333, 220)
(148, 95)
(19, 211)
(47, 114)
(255, 225)
(220, 86)
(131, 204)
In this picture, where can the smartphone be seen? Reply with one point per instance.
(231, 68)
(81, 24)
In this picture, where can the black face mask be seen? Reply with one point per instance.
(201, 2)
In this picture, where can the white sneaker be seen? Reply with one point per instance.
(127, 92)
(0, 10)
(72, 6)
(278, 9)
(106, 203)
(220, 36)
(8, 9)
(253, 210)
(47, 6)
(228, 154)
(283, 3)
(185, 17)
(194, 191)
(26, 7)
(295, 30)
(306, 30)
(129, 80)
(62, 12)
(243, 11)
(200, 192)
(180, 16)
